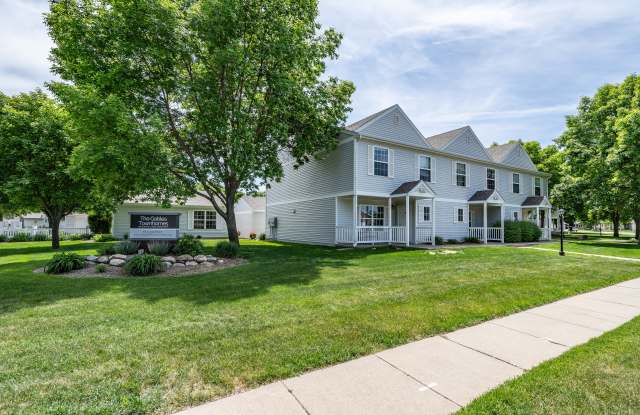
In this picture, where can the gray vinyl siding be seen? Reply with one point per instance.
(396, 127)
(311, 221)
(518, 158)
(446, 227)
(316, 179)
(121, 220)
(467, 144)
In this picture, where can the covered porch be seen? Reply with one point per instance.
(486, 216)
(537, 209)
(404, 217)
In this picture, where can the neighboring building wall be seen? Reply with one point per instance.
(311, 221)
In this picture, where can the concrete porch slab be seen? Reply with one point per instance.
(548, 328)
(272, 399)
(455, 371)
(367, 386)
(519, 349)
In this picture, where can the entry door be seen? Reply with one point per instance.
(541, 219)
(400, 215)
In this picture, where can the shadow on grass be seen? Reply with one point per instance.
(10, 248)
(270, 265)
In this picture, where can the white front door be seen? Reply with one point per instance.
(400, 215)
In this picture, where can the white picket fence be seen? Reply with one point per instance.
(9, 233)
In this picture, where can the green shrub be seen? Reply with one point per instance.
(530, 231)
(252, 235)
(40, 237)
(99, 222)
(21, 237)
(104, 237)
(227, 249)
(126, 247)
(75, 236)
(512, 231)
(188, 245)
(439, 240)
(3, 237)
(472, 240)
(452, 241)
(106, 250)
(64, 262)
(101, 268)
(160, 248)
(263, 237)
(145, 264)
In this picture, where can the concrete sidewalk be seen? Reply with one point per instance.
(439, 375)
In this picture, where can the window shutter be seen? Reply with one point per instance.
(455, 215)
(418, 166)
(467, 171)
(391, 163)
(511, 182)
(190, 219)
(370, 163)
(453, 172)
(433, 169)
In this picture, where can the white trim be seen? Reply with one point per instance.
(371, 168)
(465, 213)
(519, 183)
(486, 178)
(454, 173)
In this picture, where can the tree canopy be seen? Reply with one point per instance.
(35, 153)
(206, 94)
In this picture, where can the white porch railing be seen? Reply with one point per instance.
(476, 232)
(344, 234)
(494, 234)
(398, 234)
(546, 234)
(371, 234)
(423, 235)
(43, 231)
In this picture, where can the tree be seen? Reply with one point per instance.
(34, 158)
(547, 159)
(220, 89)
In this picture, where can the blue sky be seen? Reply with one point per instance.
(509, 69)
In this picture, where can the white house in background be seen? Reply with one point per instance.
(387, 183)
(75, 221)
(197, 217)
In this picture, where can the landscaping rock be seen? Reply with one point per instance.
(220, 261)
(117, 262)
(179, 265)
(166, 265)
(211, 258)
(191, 263)
(184, 258)
(103, 259)
(200, 258)
(168, 259)
(91, 258)
(118, 256)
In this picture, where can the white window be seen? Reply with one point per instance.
(515, 216)
(371, 215)
(380, 161)
(458, 215)
(204, 219)
(515, 183)
(425, 168)
(461, 174)
(491, 179)
(537, 186)
(426, 213)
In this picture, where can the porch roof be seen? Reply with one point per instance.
(415, 187)
(487, 196)
(533, 201)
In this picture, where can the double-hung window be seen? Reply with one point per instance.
(426, 213)
(516, 216)
(459, 215)
(380, 161)
(425, 168)
(204, 219)
(515, 183)
(491, 179)
(461, 174)
(537, 186)
(371, 215)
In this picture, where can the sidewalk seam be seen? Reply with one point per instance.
(306, 411)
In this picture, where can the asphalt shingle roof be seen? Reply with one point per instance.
(356, 125)
(406, 187)
(533, 201)
(481, 195)
(499, 152)
(440, 141)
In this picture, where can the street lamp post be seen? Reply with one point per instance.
(561, 214)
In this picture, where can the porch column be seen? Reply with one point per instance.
(433, 221)
(355, 220)
(537, 222)
(335, 222)
(389, 224)
(406, 217)
(502, 223)
(485, 221)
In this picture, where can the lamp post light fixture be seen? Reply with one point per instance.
(561, 214)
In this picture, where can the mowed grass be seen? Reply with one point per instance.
(604, 246)
(154, 345)
(600, 377)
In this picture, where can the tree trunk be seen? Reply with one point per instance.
(637, 222)
(54, 223)
(615, 218)
(232, 230)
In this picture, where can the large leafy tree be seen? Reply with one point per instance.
(547, 159)
(221, 89)
(35, 150)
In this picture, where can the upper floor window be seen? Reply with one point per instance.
(380, 161)
(537, 186)
(371, 215)
(426, 213)
(515, 183)
(204, 219)
(425, 168)
(491, 179)
(461, 174)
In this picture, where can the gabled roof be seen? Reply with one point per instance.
(360, 123)
(501, 151)
(487, 195)
(536, 201)
(512, 154)
(442, 140)
(391, 124)
(414, 186)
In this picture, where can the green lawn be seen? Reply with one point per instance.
(600, 377)
(603, 246)
(153, 345)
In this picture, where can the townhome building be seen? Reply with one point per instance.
(385, 183)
